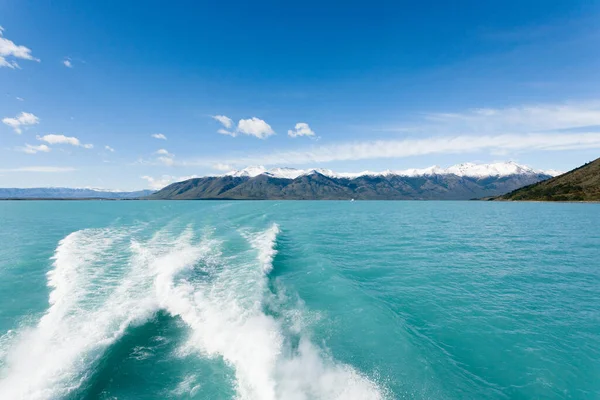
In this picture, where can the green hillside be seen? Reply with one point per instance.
(580, 184)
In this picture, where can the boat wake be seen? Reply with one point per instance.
(104, 281)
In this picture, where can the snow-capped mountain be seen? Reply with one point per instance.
(458, 182)
(69, 193)
(464, 170)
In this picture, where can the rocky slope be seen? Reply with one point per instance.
(580, 184)
(461, 182)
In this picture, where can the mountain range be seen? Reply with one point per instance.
(69, 193)
(458, 182)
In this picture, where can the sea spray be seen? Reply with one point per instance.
(104, 281)
(227, 319)
(94, 298)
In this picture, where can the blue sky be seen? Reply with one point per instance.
(347, 86)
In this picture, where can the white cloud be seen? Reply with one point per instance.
(9, 49)
(226, 121)
(21, 120)
(38, 169)
(505, 131)
(167, 160)
(164, 180)
(108, 148)
(379, 149)
(159, 136)
(30, 149)
(226, 132)
(525, 118)
(222, 167)
(62, 139)
(255, 127)
(158, 183)
(301, 129)
(20, 98)
(67, 63)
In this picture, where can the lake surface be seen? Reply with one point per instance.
(299, 300)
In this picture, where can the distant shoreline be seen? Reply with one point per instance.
(399, 200)
(59, 199)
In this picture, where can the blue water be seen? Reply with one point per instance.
(299, 300)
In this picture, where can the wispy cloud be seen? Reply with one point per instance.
(164, 180)
(159, 136)
(222, 167)
(67, 63)
(21, 120)
(168, 161)
(165, 158)
(39, 169)
(108, 148)
(9, 51)
(30, 149)
(497, 131)
(225, 121)
(379, 149)
(226, 132)
(62, 139)
(521, 119)
(301, 129)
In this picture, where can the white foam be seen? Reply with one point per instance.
(96, 295)
(94, 298)
(227, 320)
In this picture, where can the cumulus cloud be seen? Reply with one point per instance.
(39, 169)
(9, 51)
(255, 127)
(108, 148)
(164, 180)
(21, 120)
(301, 129)
(67, 63)
(497, 131)
(225, 121)
(30, 149)
(62, 139)
(163, 152)
(159, 136)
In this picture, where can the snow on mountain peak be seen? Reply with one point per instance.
(465, 169)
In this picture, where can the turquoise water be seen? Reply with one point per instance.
(299, 300)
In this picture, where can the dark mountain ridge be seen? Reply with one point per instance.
(317, 186)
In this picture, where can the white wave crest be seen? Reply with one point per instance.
(227, 320)
(103, 281)
(95, 295)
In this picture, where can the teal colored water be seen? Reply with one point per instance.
(299, 300)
